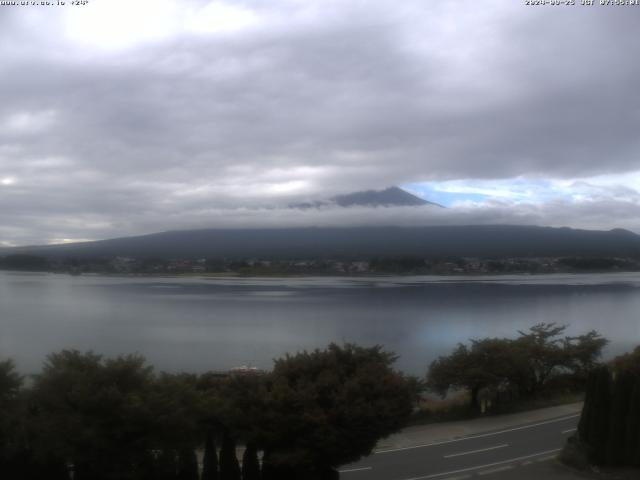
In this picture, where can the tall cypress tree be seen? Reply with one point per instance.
(187, 464)
(267, 470)
(210, 460)
(621, 394)
(49, 468)
(599, 425)
(167, 467)
(146, 467)
(632, 434)
(271, 471)
(250, 463)
(229, 466)
(586, 418)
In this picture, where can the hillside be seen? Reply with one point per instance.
(362, 242)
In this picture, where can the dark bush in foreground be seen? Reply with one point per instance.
(115, 419)
(609, 428)
(327, 408)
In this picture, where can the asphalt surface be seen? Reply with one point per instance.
(483, 455)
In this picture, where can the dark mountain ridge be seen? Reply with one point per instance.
(497, 241)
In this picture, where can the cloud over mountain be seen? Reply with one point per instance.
(199, 112)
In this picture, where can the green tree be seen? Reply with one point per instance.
(629, 362)
(175, 405)
(235, 406)
(583, 352)
(550, 355)
(93, 412)
(487, 363)
(240, 403)
(525, 364)
(12, 452)
(544, 351)
(329, 407)
(10, 382)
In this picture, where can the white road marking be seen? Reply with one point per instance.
(545, 459)
(472, 437)
(476, 451)
(480, 467)
(569, 431)
(362, 469)
(495, 470)
(460, 477)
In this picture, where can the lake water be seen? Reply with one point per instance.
(203, 323)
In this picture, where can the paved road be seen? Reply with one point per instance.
(479, 455)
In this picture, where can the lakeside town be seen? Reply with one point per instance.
(320, 266)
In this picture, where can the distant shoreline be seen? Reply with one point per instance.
(216, 275)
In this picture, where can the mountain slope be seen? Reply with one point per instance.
(389, 197)
(392, 196)
(359, 242)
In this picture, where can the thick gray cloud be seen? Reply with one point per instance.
(305, 99)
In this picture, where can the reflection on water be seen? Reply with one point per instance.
(206, 323)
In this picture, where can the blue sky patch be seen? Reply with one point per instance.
(445, 198)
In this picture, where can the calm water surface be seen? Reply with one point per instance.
(203, 323)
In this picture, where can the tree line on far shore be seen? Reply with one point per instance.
(88, 417)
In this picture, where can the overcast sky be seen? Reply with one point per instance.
(132, 116)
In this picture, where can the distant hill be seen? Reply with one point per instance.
(389, 197)
(359, 242)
